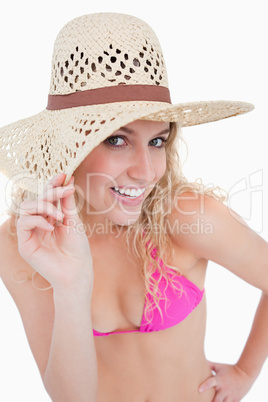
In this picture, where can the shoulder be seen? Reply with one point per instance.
(196, 214)
(206, 226)
(215, 232)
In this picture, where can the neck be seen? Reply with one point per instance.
(104, 230)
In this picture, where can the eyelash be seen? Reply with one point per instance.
(123, 138)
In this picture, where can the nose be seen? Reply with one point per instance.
(141, 166)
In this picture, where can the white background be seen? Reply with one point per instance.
(213, 50)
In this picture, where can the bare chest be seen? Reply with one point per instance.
(133, 363)
(119, 291)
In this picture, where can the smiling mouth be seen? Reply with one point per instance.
(131, 194)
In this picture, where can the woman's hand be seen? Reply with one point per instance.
(60, 253)
(230, 381)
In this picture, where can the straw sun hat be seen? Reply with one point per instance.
(107, 71)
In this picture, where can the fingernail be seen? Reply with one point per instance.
(201, 389)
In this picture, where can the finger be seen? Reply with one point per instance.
(43, 206)
(69, 208)
(208, 383)
(218, 398)
(25, 225)
(40, 207)
(28, 223)
(71, 181)
(46, 204)
(67, 179)
(56, 181)
(214, 366)
(53, 195)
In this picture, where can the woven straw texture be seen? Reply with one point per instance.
(90, 52)
(115, 50)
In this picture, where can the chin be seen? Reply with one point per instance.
(124, 221)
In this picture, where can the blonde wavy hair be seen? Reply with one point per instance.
(149, 237)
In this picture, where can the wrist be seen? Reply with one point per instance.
(75, 291)
(75, 281)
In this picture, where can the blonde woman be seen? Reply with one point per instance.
(99, 254)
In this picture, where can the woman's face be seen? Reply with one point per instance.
(130, 161)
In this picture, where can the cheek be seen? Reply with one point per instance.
(160, 167)
(93, 185)
(92, 170)
(97, 182)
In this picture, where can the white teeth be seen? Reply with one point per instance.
(130, 192)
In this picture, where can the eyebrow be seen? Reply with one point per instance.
(129, 131)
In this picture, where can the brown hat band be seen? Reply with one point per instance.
(120, 93)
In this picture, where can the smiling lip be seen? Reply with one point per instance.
(128, 201)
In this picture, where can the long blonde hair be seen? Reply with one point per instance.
(149, 236)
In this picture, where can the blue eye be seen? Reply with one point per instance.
(161, 144)
(114, 142)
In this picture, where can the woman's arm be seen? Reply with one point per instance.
(235, 381)
(58, 328)
(61, 254)
(229, 242)
(256, 349)
(71, 372)
(232, 244)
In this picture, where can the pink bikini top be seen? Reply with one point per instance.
(177, 309)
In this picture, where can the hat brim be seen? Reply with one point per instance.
(35, 149)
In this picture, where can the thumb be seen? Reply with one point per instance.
(213, 366)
